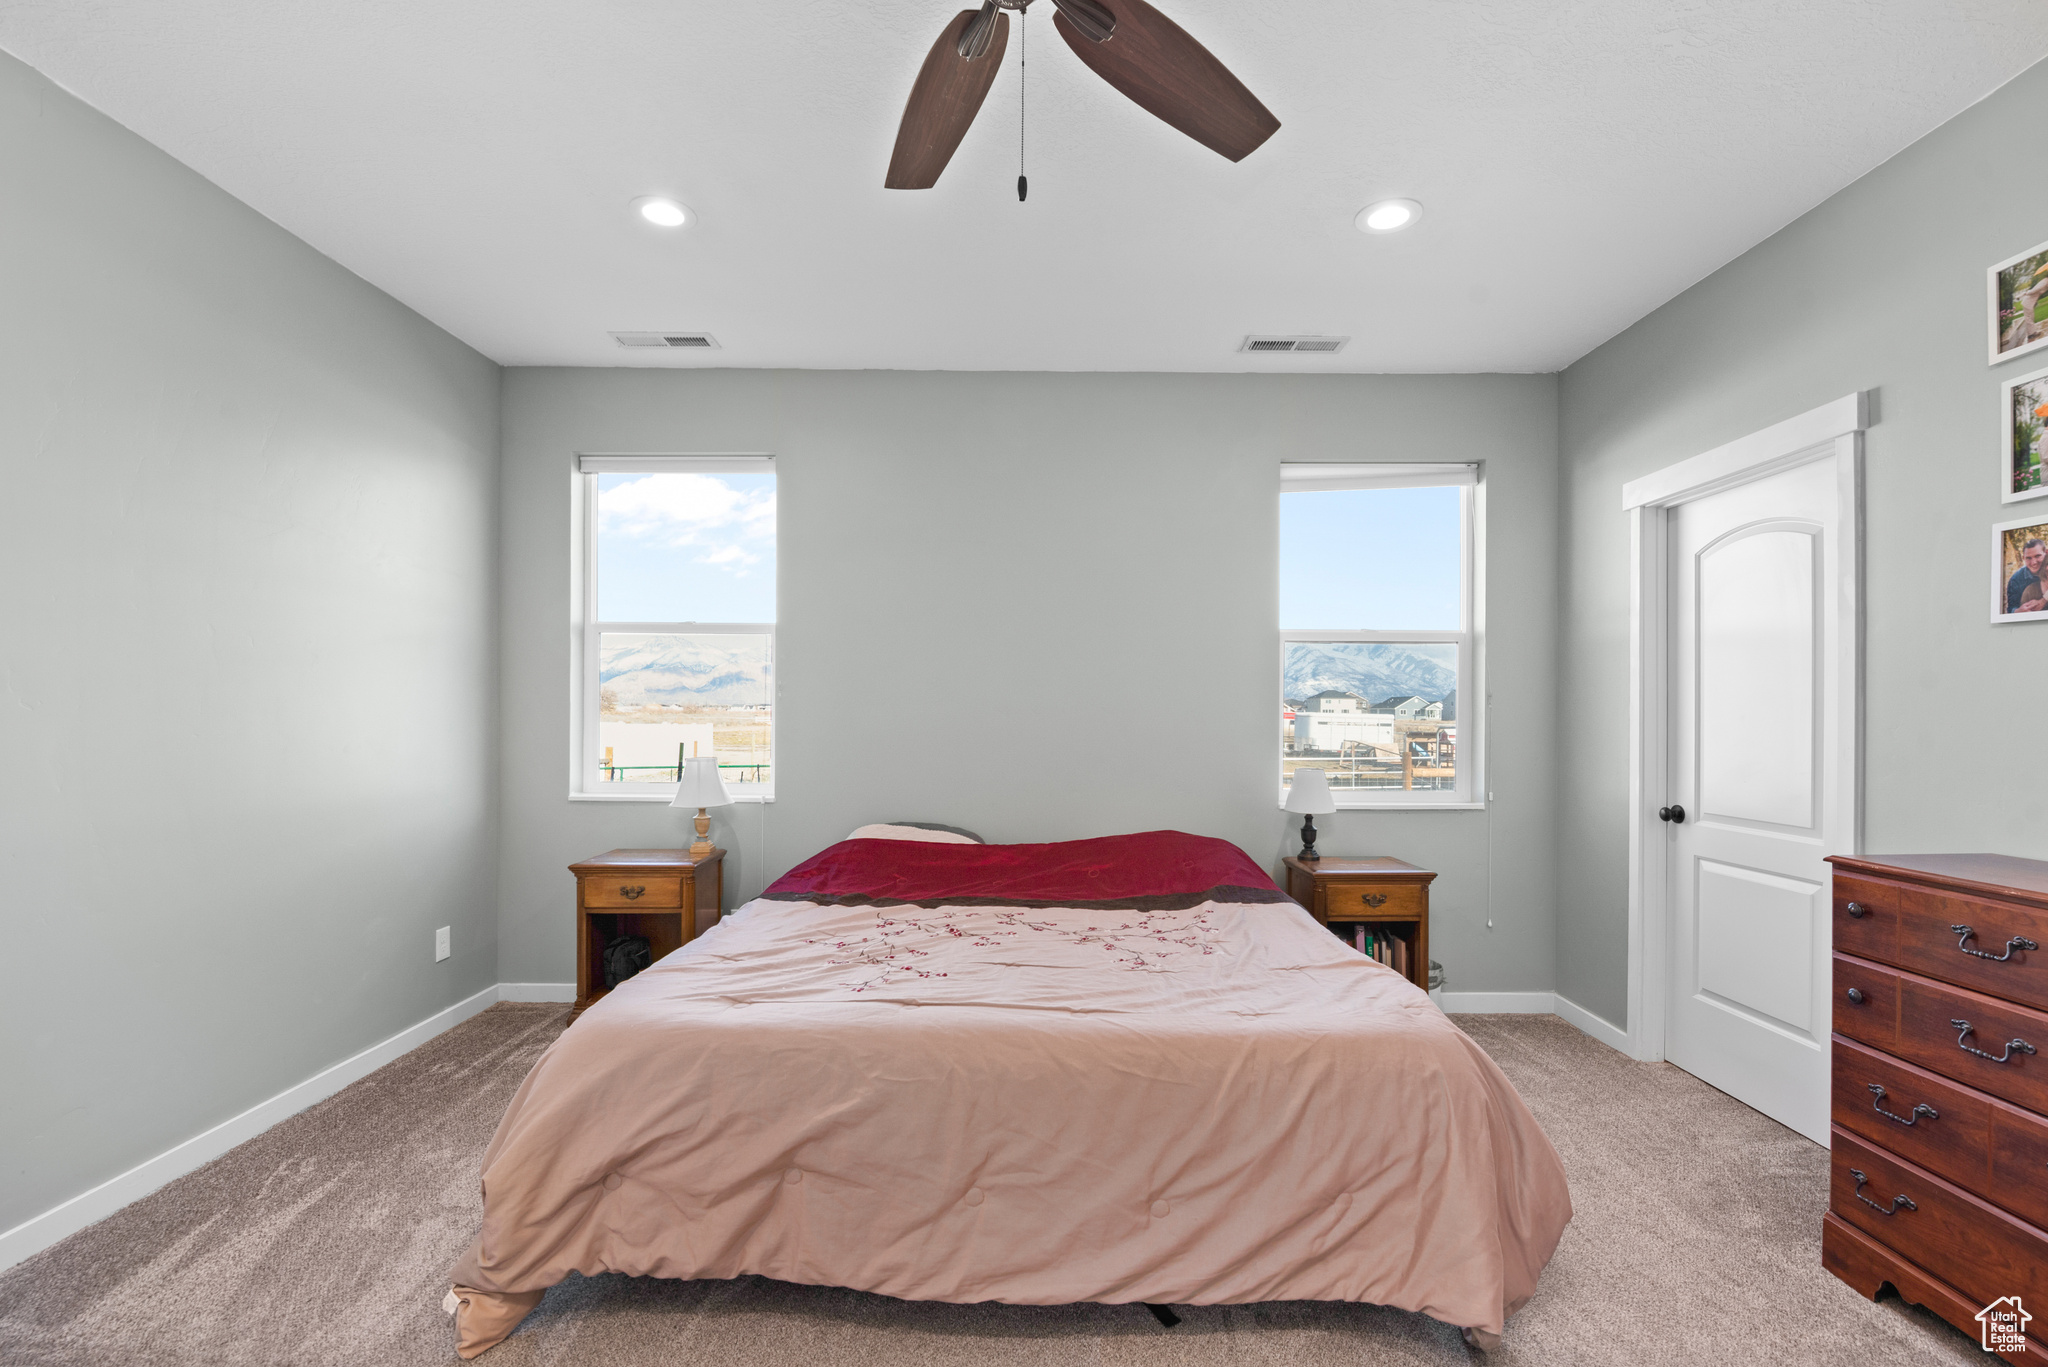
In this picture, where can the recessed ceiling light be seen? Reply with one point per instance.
(663, 213)
(1388, 216)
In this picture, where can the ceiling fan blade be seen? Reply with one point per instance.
(1094, 21)
(1165, 71)
(981, 30)
(947, 96)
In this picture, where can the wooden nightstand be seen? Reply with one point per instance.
(662, 894)
(1387, 896)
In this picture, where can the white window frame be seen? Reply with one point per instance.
(587, 631)
(1469, 794)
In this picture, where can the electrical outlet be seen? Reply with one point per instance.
(441, 950)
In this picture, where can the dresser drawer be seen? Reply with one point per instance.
(1866, 1002)
(2019, 1163)
(1953, 1141)
(1928, 942)
(1929, 1036)
(1972, 1245)
(1979, 1142)
(1866, 918)
(634, 890)
(1364, 901)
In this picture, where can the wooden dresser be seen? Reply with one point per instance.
(664, 895)
(1939, 1180)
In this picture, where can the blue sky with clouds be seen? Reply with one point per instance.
(686, 548)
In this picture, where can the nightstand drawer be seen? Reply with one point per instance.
(1365, 901)
(632, 890)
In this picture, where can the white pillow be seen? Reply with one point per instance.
(881, 831)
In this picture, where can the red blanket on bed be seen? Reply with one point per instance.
(1154, 870)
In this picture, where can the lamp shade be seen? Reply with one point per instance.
(1310, 793)
(701, 785)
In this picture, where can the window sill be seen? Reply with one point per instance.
(667, 799)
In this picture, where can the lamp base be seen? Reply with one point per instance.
(702, 845)
(1308, 839)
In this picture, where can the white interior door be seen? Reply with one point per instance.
(1755, 619)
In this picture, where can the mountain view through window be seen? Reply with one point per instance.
(685, 566)
(1372, 599)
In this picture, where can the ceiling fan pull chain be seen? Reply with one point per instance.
(1023, 28)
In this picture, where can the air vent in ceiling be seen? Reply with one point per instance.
(685, 340)
(1323, 344)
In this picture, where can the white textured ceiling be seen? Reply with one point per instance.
(1580, 161)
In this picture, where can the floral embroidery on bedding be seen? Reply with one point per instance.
(1136, 941)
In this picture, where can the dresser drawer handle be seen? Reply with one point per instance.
(1897, 1201)
(1857, 911)
(1379, 899)
(2014, 1046)
(1856, 996)
(631, 894)
(2016, 942)
(1877, 1093)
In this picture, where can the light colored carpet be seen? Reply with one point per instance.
(327, 1240)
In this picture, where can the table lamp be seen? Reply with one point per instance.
(1309, 794)
(701, 788)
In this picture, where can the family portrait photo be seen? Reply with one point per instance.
(2018, 291)
(2026, 423)
(2020, 555)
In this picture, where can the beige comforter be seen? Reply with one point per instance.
(1225, 1104)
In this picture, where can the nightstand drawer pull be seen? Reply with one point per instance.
(1856, 911)
(1897, 1201)
(632, 894)
(1967, 933)
(1374, 899)
(1877, 1093)
(2011, 1046)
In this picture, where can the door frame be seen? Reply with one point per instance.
(1834, 429)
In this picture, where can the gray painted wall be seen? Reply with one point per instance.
(1034, 561)
(248, 671)
(1881, 287)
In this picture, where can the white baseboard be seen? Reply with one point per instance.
(1608, 1033)
(1500, 1003)
(1536, 1004)
(536, 992)
(37, 1233)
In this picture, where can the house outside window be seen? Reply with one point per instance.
(1380, 671)
(675, 650)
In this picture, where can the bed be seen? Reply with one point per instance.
(1117, 1070)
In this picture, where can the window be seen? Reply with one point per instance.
(1379, 668)
(677, 649)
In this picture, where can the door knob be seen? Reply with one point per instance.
(1674, 814)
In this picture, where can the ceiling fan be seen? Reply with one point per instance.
(1126, 42)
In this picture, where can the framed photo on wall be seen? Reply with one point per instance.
(2019, 565)
(2018, 289)
(2025, 404)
